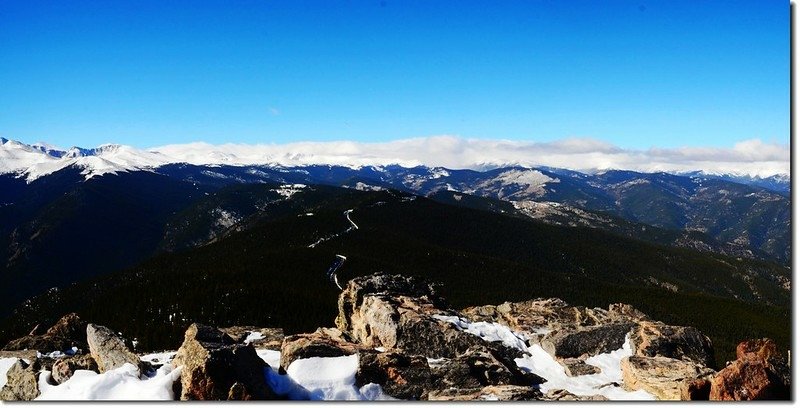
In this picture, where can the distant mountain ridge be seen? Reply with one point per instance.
(40, 159)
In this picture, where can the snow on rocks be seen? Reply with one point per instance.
(122, 383)
(397, 338)
(5, 365)
(332, 378)
(288, 190)
(488, 331)
(606, 383)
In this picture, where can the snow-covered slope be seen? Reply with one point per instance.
(34, 161)
(16, 157)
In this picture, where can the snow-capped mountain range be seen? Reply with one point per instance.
(33, 161)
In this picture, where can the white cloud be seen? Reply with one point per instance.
(753, 157)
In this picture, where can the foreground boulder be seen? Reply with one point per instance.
(65, 367)
(663, 377)
(399, 312)
(22, 382)
(586, 341)
(68, 332)
(480, 366)
(651, 339)
(759, 373)
(214, 367)
(108, 350)
(400, 376)
(324, 342)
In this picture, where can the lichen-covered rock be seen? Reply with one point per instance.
(478, 367)
(383, 284)
(564, 395)
(759, 373)
(652, 339)
(574, 367)
(488, 393)
(108, 350)
(65, 367)
(324, 342)
(22, 382)
(268, 337)
(214, 367)
(399, 375)
(532, 317)
(661, 376)
(403, 314)
(586, 341)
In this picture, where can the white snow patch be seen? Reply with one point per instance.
(323, 378)
(5, 365)
(123, 383)
(367, 187)
(163, 357)
(542, 364)
(439, 172)
(225, 218)
(253, 336)
(487, 331)
(288, 190)
(271, 357)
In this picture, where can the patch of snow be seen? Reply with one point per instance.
(163, 357)
(58, 353)
(542, 364)
(5, 365)
(225, 219)
(435, 362)
(288, 190)
(439, 172)
(489, 331)
(533, 181)
(123, 383)
(271, 357)
(367, 187)
(253, 336)
(323, 378)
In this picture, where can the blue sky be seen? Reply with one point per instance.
(637, 74)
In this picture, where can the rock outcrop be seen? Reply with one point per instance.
(324, 342)
(68, 332)
(410, 343)
(65, 367)
(759, 373)
(661, 376)
(400, 313)
(108, 350)
(22, 382)
(586, 341)
(400, 376)
(214, 367)
(656, 339)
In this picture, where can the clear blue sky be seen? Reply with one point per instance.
(634, 73)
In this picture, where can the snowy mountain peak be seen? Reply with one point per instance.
(40, 159)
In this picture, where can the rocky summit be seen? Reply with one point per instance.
(396, 337)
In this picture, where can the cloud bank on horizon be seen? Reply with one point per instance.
(749, 157)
